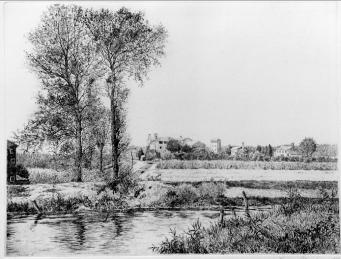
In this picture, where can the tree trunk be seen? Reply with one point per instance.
(101, 158)
(79, 151)
(114, 135)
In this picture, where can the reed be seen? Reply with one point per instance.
(308, 228)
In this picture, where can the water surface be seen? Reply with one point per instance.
(97, 233)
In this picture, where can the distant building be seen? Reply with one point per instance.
(11, 161)
(287, 151)
(159, 144)
(215, 145)
(235, 150)
(186, 141)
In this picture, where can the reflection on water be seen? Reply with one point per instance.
(95, 233)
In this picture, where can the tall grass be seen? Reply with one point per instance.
(106, 200)
(40, 175)
(187, 195)
(36, 160)
(308, 228)
(229, 164)
(211, 194)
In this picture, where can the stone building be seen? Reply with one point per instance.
(215, 145)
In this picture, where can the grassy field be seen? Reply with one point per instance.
(258, 165)
(200, 175)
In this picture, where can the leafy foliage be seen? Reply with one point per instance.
(307, 147)
(174, 145)
(64, 59)
(128, 47)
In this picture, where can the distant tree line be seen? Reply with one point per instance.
(307, 150)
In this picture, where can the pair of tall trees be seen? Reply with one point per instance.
(73, 51)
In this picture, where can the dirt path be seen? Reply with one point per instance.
(149, 172)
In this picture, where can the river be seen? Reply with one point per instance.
(97, 233)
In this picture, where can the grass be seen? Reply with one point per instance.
(205, 175)
(297, 226)
(274, 185)
(55, 161)
(212, 194)
(106, 200)
(230, 164)
(42, 175)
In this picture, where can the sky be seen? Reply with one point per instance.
(252, 72)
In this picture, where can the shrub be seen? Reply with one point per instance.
(211, 190)
(184, 194)
(167, 155)
(151, 155)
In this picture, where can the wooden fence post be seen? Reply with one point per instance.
(36, 206)
(246, 204)
(222, 214)
(234, 213)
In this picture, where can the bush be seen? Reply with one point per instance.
(188, 195)
(211, 190)
(151, 155)
(184, 194)
(167, 155)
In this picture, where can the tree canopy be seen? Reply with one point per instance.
(307, 147)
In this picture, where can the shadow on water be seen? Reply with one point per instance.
(118, 222)
(80, 230)
(38, 217)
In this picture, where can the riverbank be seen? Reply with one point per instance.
(153, 195)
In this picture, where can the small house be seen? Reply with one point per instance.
(236, 150)
(287, 151)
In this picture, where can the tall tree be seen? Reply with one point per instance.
(100, 131)
(307, 147)
(129, 46)
(64, 58)
(174, 145)
(270, 151)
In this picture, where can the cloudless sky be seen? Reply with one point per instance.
(253, 72)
